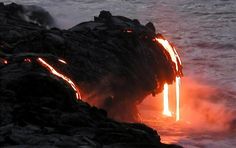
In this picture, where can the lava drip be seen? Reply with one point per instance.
(166, 110)
(177, 81)
(56, 73)
(178, 73)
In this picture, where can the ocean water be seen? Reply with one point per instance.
(204, 33)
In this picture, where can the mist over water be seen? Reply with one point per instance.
(204, 33)
(206, 119)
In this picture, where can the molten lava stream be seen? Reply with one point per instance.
(166, 101)
(176, 60)
(177, 87)
(68, 80)
(171, 50)
(166, 110)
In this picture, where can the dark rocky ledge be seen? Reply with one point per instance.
(112, 59)
(38, 109)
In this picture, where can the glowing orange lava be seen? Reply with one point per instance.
(166, 101)
(166, 110)
(27, 60)
(68, 80)
(171, 50)
(128, 30)
(177, 87)
(5, 62)
(176, 60)
(62, 61)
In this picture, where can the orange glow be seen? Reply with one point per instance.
(5, 62)
(201, 107)
(166, 101)
(53, 71)
(27, 60)
(128, 30)
(166, 110)
(171, 50)
(177, 87)
(176, 60)
(62, 61)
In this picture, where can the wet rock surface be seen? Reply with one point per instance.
(112, 59)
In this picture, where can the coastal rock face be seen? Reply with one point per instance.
(112, 60)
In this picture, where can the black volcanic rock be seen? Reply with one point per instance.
(114, 62)
(113, 59)
(38, 108)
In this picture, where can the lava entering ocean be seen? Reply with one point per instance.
(176, 60)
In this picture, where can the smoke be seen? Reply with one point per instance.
(31, 13)
(38, 15)
(113, 94)
(204, 108)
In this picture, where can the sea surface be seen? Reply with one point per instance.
(204, 33)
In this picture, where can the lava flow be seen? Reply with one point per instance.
(171, 50)
(166, 110)
(5, 62)
(53, 71)
(177, 87)
(62, 61)
(176, 60)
